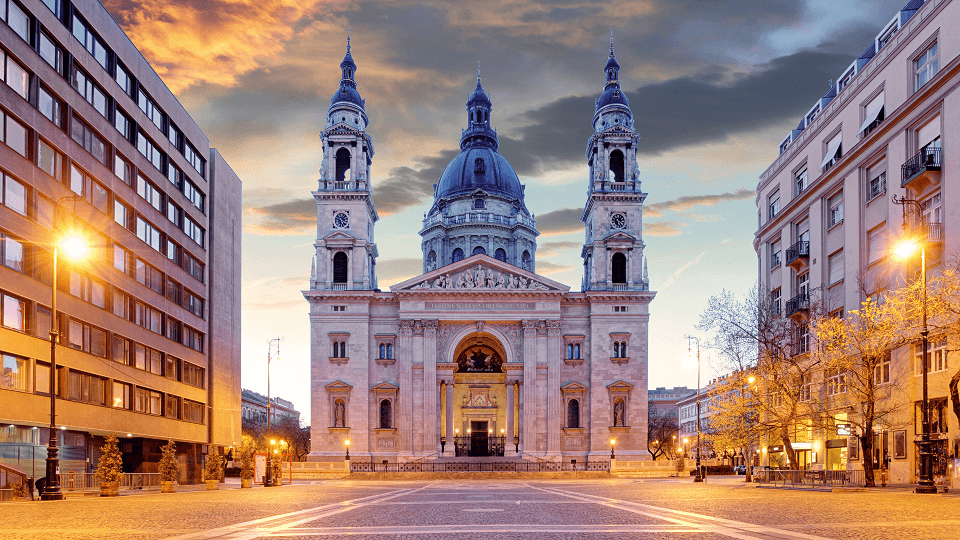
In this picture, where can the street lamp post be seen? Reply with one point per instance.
(268, 477)
(749, 476)
(699, 476)
(613, 456)
(76, 248)
(925, 479)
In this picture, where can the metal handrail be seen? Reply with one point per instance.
(800, 302)
(927, 159)
(800, 249)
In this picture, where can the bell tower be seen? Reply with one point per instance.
(613, 216)
(346, 252)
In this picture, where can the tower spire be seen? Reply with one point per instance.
(478, 72)
(611, 43)
(348, 40)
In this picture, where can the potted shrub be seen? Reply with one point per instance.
(169, 468)
(214, 468)
(110, 468)
(246, 466)
(276, 469)
(19, 492)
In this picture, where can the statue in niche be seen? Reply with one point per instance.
(493, 401)
(618, 413)
(338, 414)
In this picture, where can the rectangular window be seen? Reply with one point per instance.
(121, 258)
(146, 401)
(193, 230)
(123, 123)
(124, 80)
(936, 356)
(13, 312)
(775, 257)
(123, 169)
(174, 175)
(13, 133)
(121, 304)
(876, 244)
(174, 135)
(173, 251)
(121, 395)
(806, 387)
(16, 373)
(149, 108)
(149, 150)
(44, 211)
(149, 193)
(171, 407)
(148, 233)
(98, 197)
(775, 301)
(121, 213)
(873, 114)
(76, 180)
(192, 375)
(90, 41)
(835, 210)
(11, 253)
(148, 317)
(121, 350)
(192, 411)
(833, 149)
(86, 338)
(803, 338)
(194, 304)
(84, 135)
(15, 75)
(881, 371)
(773, 205)
(926, 65)
(50, 106)
(86, 388)
(89, 90)
(800, 181)
(174, 213)
(192, 266)
(836, 381)
(193, 158)
(171, 367)
(18, 21)
(836, 267)
(51, 52)
(193, 194)
(173, 330)
(49, 160)
(14, 194)
(193, 338)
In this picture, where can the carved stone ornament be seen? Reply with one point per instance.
(482, 278)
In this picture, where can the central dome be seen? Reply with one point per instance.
(479, 167)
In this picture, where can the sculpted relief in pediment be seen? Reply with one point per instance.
(481, 278)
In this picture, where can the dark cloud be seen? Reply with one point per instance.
(562, 221)
(298, 216)
(406, 186)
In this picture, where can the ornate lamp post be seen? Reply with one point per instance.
(749, 473)
(613, 456)
(904, 249)
(75, 247)
(698, 477)
(346, 443)
(268, 477)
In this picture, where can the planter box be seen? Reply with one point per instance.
(246, 482)
(213, 484)
(168, 487)
(109, 489)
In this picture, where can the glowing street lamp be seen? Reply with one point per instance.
(347, 445)
(75, 247)
(613, 443)
(699, 476)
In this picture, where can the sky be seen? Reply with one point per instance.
(714, 86)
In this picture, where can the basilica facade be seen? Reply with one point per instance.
(479, 355)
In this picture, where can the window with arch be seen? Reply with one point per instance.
(617, 165)
(339, 349)
(620, 349)
(500, 255)
(342, 163)
(619, 268)
(432, 260)
(478, 167)
(386, 414)
(479, 251)
(573, 413)
(457, 255)
(340, 267)
(386, 351)
(525, 260)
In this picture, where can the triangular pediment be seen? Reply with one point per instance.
(497, 276)
(619, 236)
(385, 386)
(573, 387)
(341, 128)
(620, 385)
(341, 236)
(338, 385)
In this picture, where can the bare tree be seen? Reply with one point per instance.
(662, 430)
(753, 338)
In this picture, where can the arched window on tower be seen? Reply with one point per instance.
(479, 251)
(386, 414)
(343, 164)
(573, 413)
(457, 255)
(617, 165)
(478, 167)
(525, 260)
(619, 268)
(340, 267)
(432, 260)
(500, 255)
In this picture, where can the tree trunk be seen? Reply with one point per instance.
(788, 448)
(955, 395)
(866, 446)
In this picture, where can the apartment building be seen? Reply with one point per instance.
(253, 406)
(149, 322)
(827, 221)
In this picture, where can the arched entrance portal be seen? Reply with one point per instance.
(480, 396)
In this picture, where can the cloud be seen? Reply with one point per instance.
(393, 271)
(663, 228)
(688, 202)
(705, 218)
(409, 186)
(214, 40)
(676, 274)
(546, 267)
(297, 216)
(552, 249)
(563, 221)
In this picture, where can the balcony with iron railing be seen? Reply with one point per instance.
(922, 168)
(933, 232)
(798, 255)
(798, 304)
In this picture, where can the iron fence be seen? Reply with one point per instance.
(72, 481)
(469, 466)
(808, 478)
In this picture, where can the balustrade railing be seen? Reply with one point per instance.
(927, 159)
(798, 303)
(797, 250)
(470, 466)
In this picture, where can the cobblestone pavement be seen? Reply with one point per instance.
(555, 509)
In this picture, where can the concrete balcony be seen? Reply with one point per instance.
(798, 255)
(922, 169)
(798, 305)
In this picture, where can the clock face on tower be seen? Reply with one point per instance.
(618, 221)
(341, 221)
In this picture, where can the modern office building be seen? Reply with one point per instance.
(149, 322)
(827, 220)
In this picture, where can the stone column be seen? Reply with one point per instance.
(449, 450)
(509, 448)
(437, 420)
(403, 414)
(528, 416)
(554, 398)
(431, 406)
